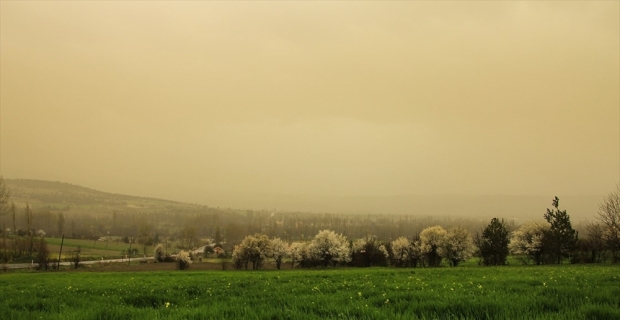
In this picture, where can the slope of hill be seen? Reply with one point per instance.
(63, 196)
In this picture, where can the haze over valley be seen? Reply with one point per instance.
(469, 109)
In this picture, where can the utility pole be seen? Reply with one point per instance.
(61, 242)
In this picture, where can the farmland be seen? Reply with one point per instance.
(523, 292)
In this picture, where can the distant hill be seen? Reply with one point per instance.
(66, 196)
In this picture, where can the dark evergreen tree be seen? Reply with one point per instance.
(561, 237)
(493, 243)
(218, 236)
(368, 252)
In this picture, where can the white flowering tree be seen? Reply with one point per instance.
(253, 249)
(369, 251)
(431, 239)
(406, 253)
(458, 245)
(159, 253)
(183, 260)
(529, 240)
(302, 253)
(329, 247)
(280, 250)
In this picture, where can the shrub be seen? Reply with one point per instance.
(183, 260)
(159, 253)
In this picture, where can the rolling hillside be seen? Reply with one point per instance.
(61, 196)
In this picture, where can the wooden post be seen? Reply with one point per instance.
(129, 251)
(60, 253)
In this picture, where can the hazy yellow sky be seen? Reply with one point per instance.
(196, 101)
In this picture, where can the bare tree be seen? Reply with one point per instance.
(595, 241)
(29, 233)
(43, 255)
(28, 218)
(5, 194)
(13, 211)
(76, 257)
(188, 238)
(60, 223)
(609, 216)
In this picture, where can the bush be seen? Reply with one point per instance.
(369, 251)
(183, 260)
(159, 253)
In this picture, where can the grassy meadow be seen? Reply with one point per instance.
(95, 250)
(90, 249)
(511, 292)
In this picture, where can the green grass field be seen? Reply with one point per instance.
(514, 292)
(94, 250)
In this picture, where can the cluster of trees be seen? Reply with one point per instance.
(326, 248)
(554, 240)
(551, 241)
(188, 224)
(433, 245)
(321, 239)
(603, 240)
(329, 248)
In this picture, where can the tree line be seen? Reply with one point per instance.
(405, 238)
(549, 241)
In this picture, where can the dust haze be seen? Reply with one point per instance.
(289, 104)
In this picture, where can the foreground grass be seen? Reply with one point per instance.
(519, 292)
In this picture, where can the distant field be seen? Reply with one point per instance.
(92, 249)
(98, 249)
(513, 292)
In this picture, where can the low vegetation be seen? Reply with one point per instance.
(506, 292)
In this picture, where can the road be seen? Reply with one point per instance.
(66, 263)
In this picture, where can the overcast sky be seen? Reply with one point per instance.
(196, 100)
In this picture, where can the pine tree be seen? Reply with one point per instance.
(494, 243)
(561, 236)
